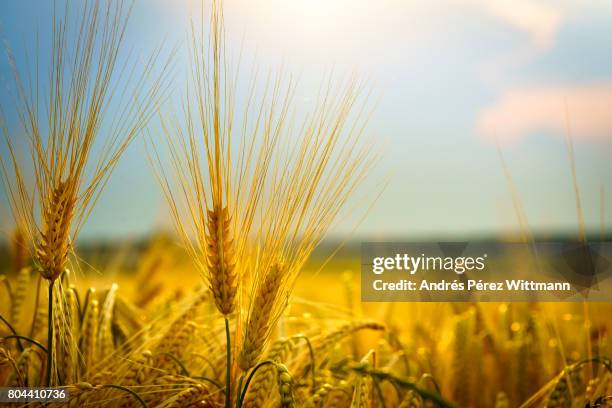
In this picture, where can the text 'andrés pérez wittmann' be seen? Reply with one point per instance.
(468, 272)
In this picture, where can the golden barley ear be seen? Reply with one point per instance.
(221, 261)
(361, 393)
(20, 376)
(52, 193)
(463, 338)
(68, 342)
(264, 379)
(285, 386)
(54, 242)
(261, 317)
(20, 296)
(194, 394)
(89, 335)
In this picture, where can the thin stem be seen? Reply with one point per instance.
(431, 378)
(426, 394)
(26, 338)
(32, 326)
(239, 393)
(50, 335)
(228, 352)
(312, 359)
(125, 389)
(248, 381)
(210, 380)
(7, 285)
(12, 329)
(178, 362)
(9, 292)
(595, 360)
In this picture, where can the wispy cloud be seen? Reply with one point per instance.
(521, 112)
(541, 21)
(538, 22)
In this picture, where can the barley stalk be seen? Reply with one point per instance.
(67, 181)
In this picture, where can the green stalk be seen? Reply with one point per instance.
(228, 352)
(28, 339)
(50, 335)
(126, 389)
(243, 392)
(312, 360)
(12, 329)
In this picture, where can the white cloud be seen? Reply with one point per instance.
(522, 111)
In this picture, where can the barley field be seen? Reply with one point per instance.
(242, 304)
(163, 343)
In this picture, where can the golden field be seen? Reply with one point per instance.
(167, 346)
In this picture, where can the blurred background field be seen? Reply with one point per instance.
(476, 354)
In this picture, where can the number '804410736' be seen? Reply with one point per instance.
(20, 394)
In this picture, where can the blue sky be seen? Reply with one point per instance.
(450, 76)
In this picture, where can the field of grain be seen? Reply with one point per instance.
(236, 307)
(161, 341)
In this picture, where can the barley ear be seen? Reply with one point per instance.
(69, 341)
(105, 335)
(20, 294)
(260, 318)
(263, 380)
(361, 393)
(89, 335)
(54, 241)
(221, 261)
(285, 386)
